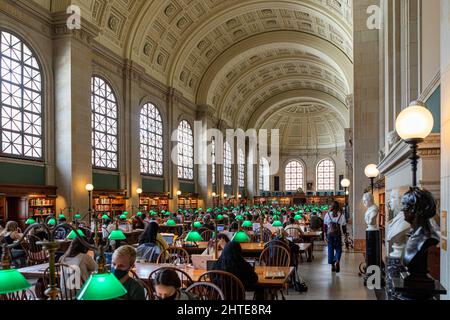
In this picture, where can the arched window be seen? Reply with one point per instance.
(294, 176)
(104, 125)
(325, 175)
(213, 160)
(264, 173)
(20, 99)
(151, 141)
(227, 164)
(241, 169)
(185, 151)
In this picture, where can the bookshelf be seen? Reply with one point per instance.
(109, 202)
(188, 202)
(154, 202)
(41, 205)
(3, 209)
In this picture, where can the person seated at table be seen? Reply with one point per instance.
(223, 241)
(62, 230)
(232, 261)
(10, 235)
(123, 260)
(151, 243)
(77, 256)
(316, 223)
(138, 223)
(167, 286)
(107, 228)
(234, 227)
(207, 223)
(293, 229)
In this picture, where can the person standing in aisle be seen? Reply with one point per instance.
(335, 226)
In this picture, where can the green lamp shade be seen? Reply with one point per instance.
(51, 222)
(105, 217)
(101, 286)
(139, 214)
(219, 217)
(197, 224)
(30, 221)
(209, 210)
(240, 237)
(117, 235)
(167, 213)
(193, 236)
(72, 234)
(61, 216)
(125, 213)
(247, 224)
(11, 281)
(163, 211)
(298, 217)
(78, 216)
(171, 223)
(123, 216)
(239, 218)
(153, 213)
(277, 223)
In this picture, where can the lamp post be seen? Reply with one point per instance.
(413, 125)
(372, 172)
(89, 188)
(345, 183)
(139, 192)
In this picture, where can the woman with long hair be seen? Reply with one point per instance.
(148, 241)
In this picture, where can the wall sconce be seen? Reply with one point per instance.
(179, 193)
(372, 172)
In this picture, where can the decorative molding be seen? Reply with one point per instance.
(432, 86)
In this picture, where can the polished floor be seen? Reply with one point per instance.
(325, 285)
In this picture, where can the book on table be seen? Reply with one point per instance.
(274, 275)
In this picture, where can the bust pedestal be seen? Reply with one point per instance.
(373, 250)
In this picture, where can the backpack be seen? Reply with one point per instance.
(334, 228)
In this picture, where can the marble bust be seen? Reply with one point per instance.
(419, 207)
(371, 213)
(397, 227)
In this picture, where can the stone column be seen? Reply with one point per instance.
(171, 184)
(366, 110)
(73, 71)
(203, 154)
(445, 143)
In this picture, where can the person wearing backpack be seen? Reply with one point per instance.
(335, 226)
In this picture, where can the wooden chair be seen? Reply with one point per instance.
(63, 274)
(25, 295)
(207, 235)
(173, 255)
(276, 255)
(186, 280)
(147, 289)
(267, 235)
(206, 291)
(231, 286)
(35, 253)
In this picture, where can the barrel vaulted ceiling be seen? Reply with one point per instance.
(284, 64)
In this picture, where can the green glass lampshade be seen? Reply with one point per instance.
(163, 211)
(105, 217)
(72, 234)
(277, 223)
(171, 223)
(193, 236)
(153, 213)
(123, 217)
(30, 221)
(241, 237)
(298, 217)
(61, 216)
(167, 213)
(117, 235)
(139, 214)
(11, 281)
(247, 224)
(101, 286)
(209, 210)
(225, 208)
(77, 216)
(51, 222)
(239, 218)
(125, 213)
(219, 217)
(197, 224)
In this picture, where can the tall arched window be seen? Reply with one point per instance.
(185, 151)
(104, 125)
(213, 160)
(264, 173)
(151, 141)
(294, 176)
(325, 175)
(20, 99)
(227, 164)
(241, 169)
